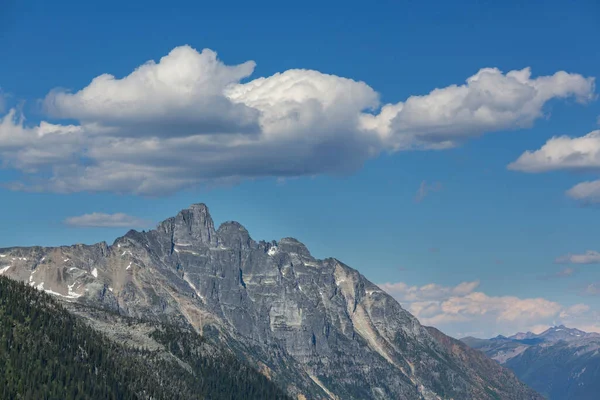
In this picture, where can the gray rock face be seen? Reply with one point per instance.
(316, 327)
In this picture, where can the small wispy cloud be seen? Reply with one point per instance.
(102, 220)
(563, 273)
(589, 257)
(592, 289)
(425, 189)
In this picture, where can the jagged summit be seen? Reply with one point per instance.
(194, 226)
(191, 226)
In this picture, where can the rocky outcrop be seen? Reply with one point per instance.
(316, 327)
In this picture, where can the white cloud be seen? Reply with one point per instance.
(28, 149)
(425, 189)
(586, 192)
(562, 153)
(188, 119)
(589, 257)
(101, 220)
(432, 291)
(297, 102)
(182, 94)
(489, 101)
(461, 308)
(575, 310)
(504, 308)
(567, 153)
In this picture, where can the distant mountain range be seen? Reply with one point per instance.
(555, 334)
(560, 363)
(317, 329)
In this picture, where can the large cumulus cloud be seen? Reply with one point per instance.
(190, 119)
(182, 94)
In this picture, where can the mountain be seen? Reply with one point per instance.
(49, 353)
(561, 363)
(520, 336)
(316, 328)
(561, 332)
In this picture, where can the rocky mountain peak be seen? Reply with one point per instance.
(292, 245)
(192, 226)
(201, 207)
(561, 332)
(234, 235)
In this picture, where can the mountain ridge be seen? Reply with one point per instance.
(320, 328)
(561, 363)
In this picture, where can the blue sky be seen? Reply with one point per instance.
(343, 192)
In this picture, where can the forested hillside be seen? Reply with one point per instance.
(48, 353)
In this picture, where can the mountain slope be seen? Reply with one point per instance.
(560, 363)
(47, 353)
(317, 328)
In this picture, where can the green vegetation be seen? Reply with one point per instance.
(47, 353)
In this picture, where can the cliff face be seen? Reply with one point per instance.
(318, 328)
